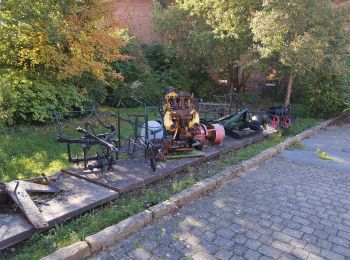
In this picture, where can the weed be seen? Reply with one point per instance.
(178, 186)
(298, 146)
(323, 155)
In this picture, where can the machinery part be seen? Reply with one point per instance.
(216, 133)
(182, 122)
(280, 116)
(89, 124)
(201, 135)
(257, 123)
(275, 122)
(241, 124)
(18, 191)
(155, 131)
(153, 164)
(286, 122)
(108, 154)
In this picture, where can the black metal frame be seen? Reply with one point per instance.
(136, 141)
(109, 141)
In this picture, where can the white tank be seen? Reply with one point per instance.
(155, 131)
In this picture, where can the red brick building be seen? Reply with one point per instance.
(137, 16)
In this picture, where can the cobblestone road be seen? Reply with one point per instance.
(280, 210)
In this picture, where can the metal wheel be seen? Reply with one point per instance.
(275, 122)
(286, 122)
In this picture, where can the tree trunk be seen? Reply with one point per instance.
(244, 80)
(289, 90)
(236, 79)
(231, 84)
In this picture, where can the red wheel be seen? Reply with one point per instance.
(275, 121)
(286, 122)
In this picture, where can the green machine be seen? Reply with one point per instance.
(242, 123)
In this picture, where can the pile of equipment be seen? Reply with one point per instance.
(181, 122)
(242, 123)
(280, 116)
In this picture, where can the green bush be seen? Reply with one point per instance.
(26, 99)
(94, 90)
(326, 95)
(153, 68)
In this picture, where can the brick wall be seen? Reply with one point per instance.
(137, 16)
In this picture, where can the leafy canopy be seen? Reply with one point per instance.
(63, 37)
(295, 33)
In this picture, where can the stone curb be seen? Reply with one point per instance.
(78, 250)
(127, 227)
(116, 233)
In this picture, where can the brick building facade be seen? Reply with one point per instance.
(137, 16)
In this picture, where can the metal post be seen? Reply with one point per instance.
(135, 133)
(146, 128)
(119, 135)
(146, 133)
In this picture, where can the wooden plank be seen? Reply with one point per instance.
(35, 187)
(77, 196)
(19, 195)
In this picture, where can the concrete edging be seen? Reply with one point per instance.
(129, 226)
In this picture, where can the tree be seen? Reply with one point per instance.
(189, 38)
(296, 36)
(64, 38)
(216, 32)
(55, 54)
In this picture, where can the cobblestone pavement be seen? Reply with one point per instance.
(280, 210)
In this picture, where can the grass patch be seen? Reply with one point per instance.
(28, 151)
(134, 202)
(298, 146)
(323, 155)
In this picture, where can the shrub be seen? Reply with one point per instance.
(326, 95)
(153, 68)
(26, 99)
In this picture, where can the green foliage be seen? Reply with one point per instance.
(145, 76)
(55, 55)
(67, 38)
(95, 91)
(299, 38)
(178, 186)
(214, 35)
(295, 32)
(325, 95)
(29, 99)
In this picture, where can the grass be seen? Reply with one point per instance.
(129, 204)
(298, 146)
(27, 152)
